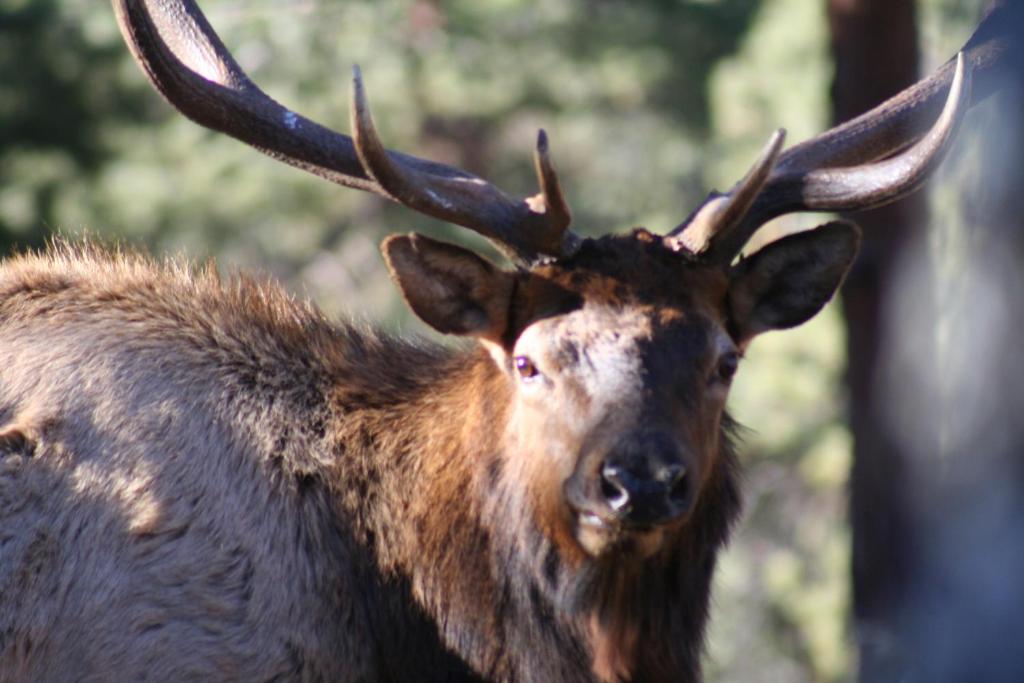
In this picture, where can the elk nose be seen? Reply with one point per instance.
(644, 495)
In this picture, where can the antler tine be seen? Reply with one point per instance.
(550, 201)
(867, 186)
(515, 226)
(189, 65)
(839, 170)
(721, 214)
(853, 187)
(893, 124)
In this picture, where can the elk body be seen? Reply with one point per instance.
(205, 479)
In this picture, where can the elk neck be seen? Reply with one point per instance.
(421, 474)
(415, 433)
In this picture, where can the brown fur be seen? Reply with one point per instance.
(204, 478)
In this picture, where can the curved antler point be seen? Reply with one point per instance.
(358, 91)
(776, 141)
(550, 201)
(542, 140)
(961, 78)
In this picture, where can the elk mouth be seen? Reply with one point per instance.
(600, 535)
(591, 519)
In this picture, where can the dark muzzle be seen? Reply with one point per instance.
(645, 481)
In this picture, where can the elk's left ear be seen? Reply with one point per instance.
(787, 282)
(450, 288)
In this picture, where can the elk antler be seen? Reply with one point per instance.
(849, 167)
(187, 62)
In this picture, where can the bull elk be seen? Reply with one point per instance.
(204, 479)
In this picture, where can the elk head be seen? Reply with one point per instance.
(618, 352)
(618, 359)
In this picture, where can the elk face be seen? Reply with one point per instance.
(618, 361)
(616, 415)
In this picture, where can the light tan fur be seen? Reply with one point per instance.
(158, 508)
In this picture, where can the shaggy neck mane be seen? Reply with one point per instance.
(434, 498)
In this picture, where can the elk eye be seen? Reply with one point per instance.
(525, 367)
(727, 366)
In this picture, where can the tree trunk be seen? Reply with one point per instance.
(874, 44)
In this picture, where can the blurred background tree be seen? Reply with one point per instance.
(875, 50)
(649, 105)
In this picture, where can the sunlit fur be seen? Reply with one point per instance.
(209, 480)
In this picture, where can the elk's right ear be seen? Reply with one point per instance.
(450, 288)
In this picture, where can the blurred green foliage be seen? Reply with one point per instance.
(649, 105)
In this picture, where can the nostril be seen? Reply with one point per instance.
(613, 488)
(672, 474)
